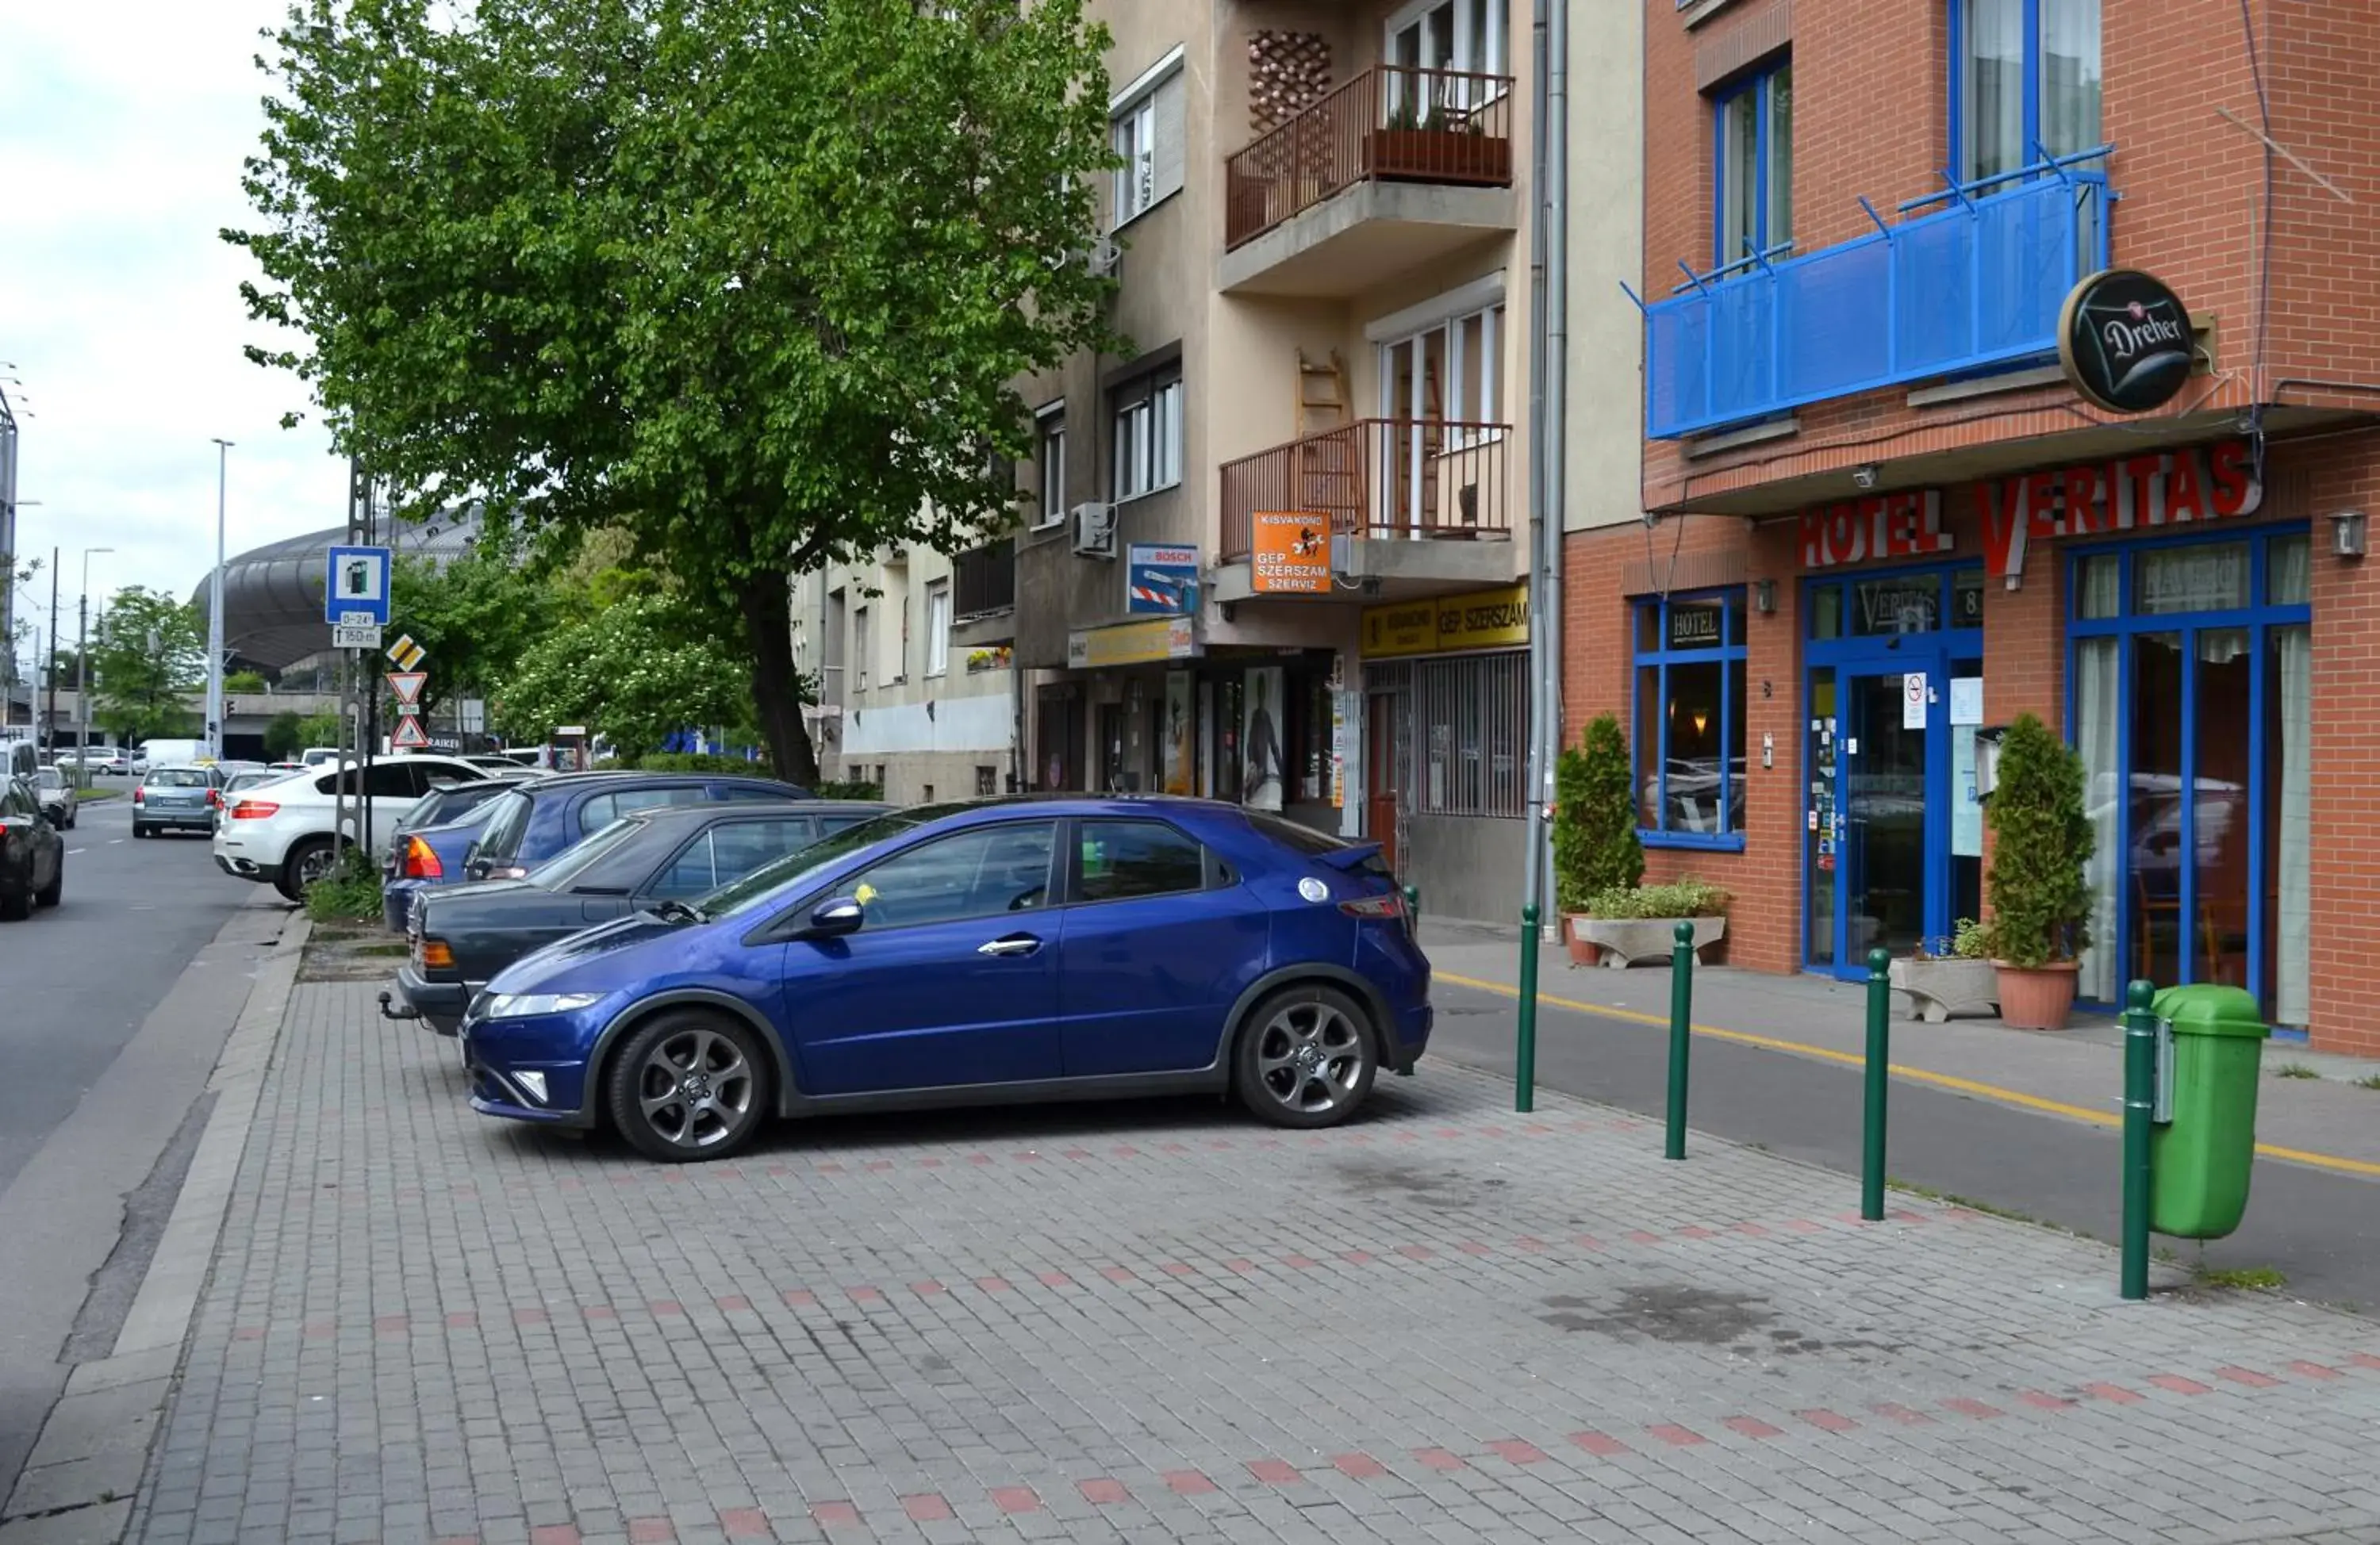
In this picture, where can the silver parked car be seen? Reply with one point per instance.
(56, 797)
(177, 799)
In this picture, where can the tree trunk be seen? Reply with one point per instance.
(766, 602)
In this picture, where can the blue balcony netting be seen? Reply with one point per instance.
(1975, 283)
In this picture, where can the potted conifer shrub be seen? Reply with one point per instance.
(2040, 907)
(1595, 847)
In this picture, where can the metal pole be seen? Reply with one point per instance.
(215, 613)
(2140, 1105)
(49, 735)
(82, 687)
(365, 687)
(1681, 1037)
(1879, 1069)
(1533, 872)
(1546, 605)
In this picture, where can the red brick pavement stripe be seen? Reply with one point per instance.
(1828, 1421)
(1438, 1459)
(2178, 1384)
(1189, 1483)
(1902, 1413)
(1103, 1492)
(2115, 1392)
(798, 1297)
(1975, 1408)
(1056, 1279)
(1514, 1451)
(2045, 1401)
(1676, 1436)
(554, 1534)
(1273, 1472)
(666, 1307)
(2247, 1376)
(1117, 1274)
(1359, 1466)
(651, 1532)
(1016, 1499)
(732, 1303)
(743, 1523)
(834, 1514)
(926, 1507)
(462, 1320)
(392, 1324)
(2316, 1370)
(2364, 1359)
(867, 1295)
(1752, 1426)
(927, 1289)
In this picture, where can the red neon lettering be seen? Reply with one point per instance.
(1900, 525)
(1999, 504)
(2042, 519)
(1813, 540)
(2148, 489)
(2234, 489)
(2183, 498)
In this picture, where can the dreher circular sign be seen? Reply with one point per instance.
(2124, 340)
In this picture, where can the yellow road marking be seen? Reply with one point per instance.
(1915, 1075)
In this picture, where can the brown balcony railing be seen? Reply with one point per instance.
(1393, 122)
(984, 580)
(1378, 477)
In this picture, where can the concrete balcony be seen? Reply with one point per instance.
(1395, 169)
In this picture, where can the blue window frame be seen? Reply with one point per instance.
(1688, 709)
(1753, 178)
(2024, 84)
(2189, 665)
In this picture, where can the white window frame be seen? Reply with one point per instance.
(1461, 382)
(938, 628)
(1050, 439)
(859, 646)
(1132, 134)
(1473, 54)
(1146, 426)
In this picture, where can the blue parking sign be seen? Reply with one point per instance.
(355, 588)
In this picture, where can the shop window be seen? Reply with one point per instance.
(1690, 708)
(1754, 174)
(2024, 79)
(1459, 741)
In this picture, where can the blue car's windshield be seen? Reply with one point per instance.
(762, 885)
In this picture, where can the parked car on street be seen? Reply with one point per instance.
(247, 778)
(181, 798)
(429, 842)
(280, 833)
(460, 936)
(56, 797)
(1034, 947)
(98, 758)
(538, 819)
(32, 854)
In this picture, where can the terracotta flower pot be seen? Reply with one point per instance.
(1573, 933)
(2037, 999)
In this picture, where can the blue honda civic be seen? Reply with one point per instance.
(1036, 947)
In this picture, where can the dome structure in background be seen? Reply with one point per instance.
(273, 595)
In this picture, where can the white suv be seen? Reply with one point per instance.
(280, 832)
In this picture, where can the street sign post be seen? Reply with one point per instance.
(354, 635)
(356, 582)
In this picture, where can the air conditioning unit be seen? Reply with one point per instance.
(1095, 530)
(1102, 255)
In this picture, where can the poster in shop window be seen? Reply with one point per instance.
(1260, 745)
(1179, 727)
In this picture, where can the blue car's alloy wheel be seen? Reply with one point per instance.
(689, 1085)
(1306, 1058)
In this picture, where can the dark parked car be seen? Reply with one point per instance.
(460, 936)
(426, 846)
(1036, 947)
(534, 821)
(177, 799)
(32, 854)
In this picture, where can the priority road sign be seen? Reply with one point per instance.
(408, 735)
(356, 581)
(407, 653)
(406, 684)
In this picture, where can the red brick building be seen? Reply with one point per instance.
(1882, 515)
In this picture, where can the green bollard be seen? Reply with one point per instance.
(2140, 1107)
(1524, 1049)
(1879, 1065)
(1681, 1037)
(1412, 907)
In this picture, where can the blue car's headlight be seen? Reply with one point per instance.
(525, 1006)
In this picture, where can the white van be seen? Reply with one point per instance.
(19, 758)
(175, 754)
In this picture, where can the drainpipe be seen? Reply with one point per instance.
(1533, 882)
(1546, 603)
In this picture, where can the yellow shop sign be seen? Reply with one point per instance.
(1480, 619)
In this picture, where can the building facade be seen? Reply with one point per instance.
(1885, 513)
(1277, 554)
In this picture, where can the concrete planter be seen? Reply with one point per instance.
(1939, 989)
(1623, 942)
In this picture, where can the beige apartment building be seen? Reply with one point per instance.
(1321, 235)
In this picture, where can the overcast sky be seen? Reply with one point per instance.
(122, 128)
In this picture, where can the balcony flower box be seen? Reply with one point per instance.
(1438, 155)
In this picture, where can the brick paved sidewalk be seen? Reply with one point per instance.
(1141, 1323)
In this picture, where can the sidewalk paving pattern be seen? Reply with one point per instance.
(1159, 1321)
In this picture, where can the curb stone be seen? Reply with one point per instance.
(78, 1483)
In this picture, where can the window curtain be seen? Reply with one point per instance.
(1993, 95)
(2070, 74)
(2294, 956)
(2098, 703)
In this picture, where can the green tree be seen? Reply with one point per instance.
(244, 680)
(477, 615)
(147, 653)
(284, 736)
(1594, 842)
(748, 280)
(2042, 839)
(322, 728)
(637, 671)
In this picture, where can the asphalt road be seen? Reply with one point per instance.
(113, 1007)
(2321, 1230)
(77, 983)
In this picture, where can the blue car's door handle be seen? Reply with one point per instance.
(1014, 944)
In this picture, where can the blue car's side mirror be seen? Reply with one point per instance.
(833, 920)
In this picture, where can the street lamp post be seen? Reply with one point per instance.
(82, 689)
(215, 614)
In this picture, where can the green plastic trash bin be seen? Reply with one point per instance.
(2201, 1157)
